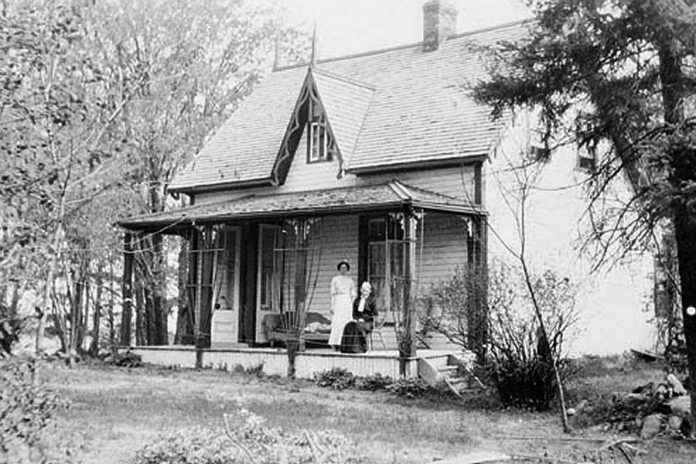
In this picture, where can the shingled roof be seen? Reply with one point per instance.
(388, 109)
(331, 201)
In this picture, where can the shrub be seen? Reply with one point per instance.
(26, 416)
(248, 439)
(256, 371)
(373, 382)
(408, 387)
(336, 378)
(521, 361)
(124, 359)
(451, 307)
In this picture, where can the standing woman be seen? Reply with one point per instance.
(343, 292)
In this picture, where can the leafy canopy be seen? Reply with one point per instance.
(617, 78)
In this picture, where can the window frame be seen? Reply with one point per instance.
(322, 153)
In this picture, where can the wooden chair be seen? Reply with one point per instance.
(376, 331)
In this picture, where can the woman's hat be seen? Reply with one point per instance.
(341, 262)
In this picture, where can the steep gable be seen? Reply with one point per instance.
(387, 110)
(339, 103)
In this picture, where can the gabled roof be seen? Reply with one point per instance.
(388, 109)
(383, 196)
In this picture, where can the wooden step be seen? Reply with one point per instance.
(448, 369)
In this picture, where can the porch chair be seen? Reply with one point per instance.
(376, 330)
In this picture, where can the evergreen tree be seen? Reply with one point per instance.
(618, 78)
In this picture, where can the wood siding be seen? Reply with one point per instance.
(339, 241)
(443, 249)
(457, 181)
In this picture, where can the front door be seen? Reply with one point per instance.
(225, 322)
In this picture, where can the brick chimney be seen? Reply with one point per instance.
(439, 22)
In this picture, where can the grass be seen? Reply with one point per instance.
(117, 410)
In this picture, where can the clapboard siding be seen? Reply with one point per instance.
(304, 176)
(444, 248)
(456, 181)
(339, 241)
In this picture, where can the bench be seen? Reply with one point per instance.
(280, 327)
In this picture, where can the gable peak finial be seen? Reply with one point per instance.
(313, 58)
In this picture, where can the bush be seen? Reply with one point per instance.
(26, 416)
(336, 378)
(520, 361)
(248, 439)
(124, 359)
(408, 387)
(373, 382)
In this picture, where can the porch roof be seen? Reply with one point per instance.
(390, 195)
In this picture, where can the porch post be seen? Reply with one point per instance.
(478, 310)
(407, 346)
(127, 289)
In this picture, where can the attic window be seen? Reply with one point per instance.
(587, 163)
(318, 142)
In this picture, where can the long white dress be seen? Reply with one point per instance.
(343, 292)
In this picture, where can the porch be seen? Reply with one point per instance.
(255, 257)
(428, 363)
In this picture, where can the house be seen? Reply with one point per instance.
(377, 158)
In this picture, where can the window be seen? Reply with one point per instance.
(385, 261)
(269, 241)
(587, 162)
(318, 142)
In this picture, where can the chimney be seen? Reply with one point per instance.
(439, 22)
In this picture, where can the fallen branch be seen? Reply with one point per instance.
(236, 442)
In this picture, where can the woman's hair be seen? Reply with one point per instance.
(366, 286)
(342, 262)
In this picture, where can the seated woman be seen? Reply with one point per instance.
(364, 313)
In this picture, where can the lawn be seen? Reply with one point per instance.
(114, 411)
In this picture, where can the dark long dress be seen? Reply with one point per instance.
(355, 333)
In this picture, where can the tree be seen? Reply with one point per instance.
(616, 77)
(100, 103)
(198, 60)
(56, 108)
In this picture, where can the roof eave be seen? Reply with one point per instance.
(417, 165)
(236, 184)
(175, 223)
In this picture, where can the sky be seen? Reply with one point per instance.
(353, 26)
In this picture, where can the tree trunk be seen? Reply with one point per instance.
(127, 290)
(184, 326)
(94, 347)
(685, 232)
(159, 289)
(111, 318)
(140, 317)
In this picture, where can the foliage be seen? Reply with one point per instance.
(409, 387)
(337, 378)
(26, 416)
(100, 104)
(373, 382)
(256, 371)
(124, 359)
(616, 78)
(520, 363)
(450, 304)
(248, 439)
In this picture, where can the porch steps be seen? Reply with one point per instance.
(455, 370)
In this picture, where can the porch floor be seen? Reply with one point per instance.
(275, 360)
